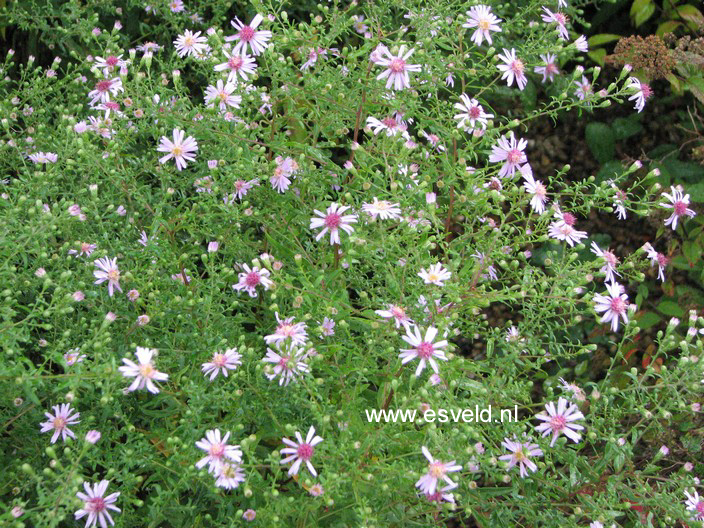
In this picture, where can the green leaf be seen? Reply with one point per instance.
(692, 251)
(602, 38)
(648, 319)
(671, 308)
(625, 128)
(692, 15)
(597, 55)
(696, 192)
(641, 11)
(667, 27)
(600, 139)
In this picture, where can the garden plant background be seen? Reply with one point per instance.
(230, 231)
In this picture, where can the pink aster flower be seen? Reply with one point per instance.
(104, 89)
(249, 515)
(557, 18)
(43, 157)
(58, 422)
(86, 249)
(614, 305)
(190, 44)
(251, 278)
(521, 454)
(610, 262)
(242, 187)
(695, 504)
(678, 203)
(471, 111)
(390, 125)
(74, 356)
(249, 36)
(512, 68)
(549, 68)
(510, 151)
(217, 450)
(397, 313)
(221, 94)
(535, 188)
(237, 65)
(642, 93)
(584, 88)
(659, 259)
(436, 274)
(109, 63)
(581, 44)
(333, 221)
(423, 348)
(442, 494)
(287, 329)
(179, 149)
(144, 373)
(229, 476)
(560, 420)
(108, 272)
(289, 362)
(385, 210)
(301, 451)
(222, 362)
(396, 73)
(563, 229)
(93, 436)
(286, 168)
(327, 327)
(96, 505)
(483, 19)
(573, 390)
(437, 471)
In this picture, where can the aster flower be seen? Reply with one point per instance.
(521, 454)
(58, 422)
(286, 168)
(43, 157)
(614, 305)
(490, 270)
(383, 209)
(229, 476)
(242, 187)
(442, 495)
(108, 272)
(251, 278)
(289, 362)
(573, 389)
(560, 420)
(391, 125)
(437, 471)
(249, 36)
(483, 19)
(222, 362)
(396, 73)
(584, 88)
(658, 259)
(471, 111)
(549, 68)
(512, 68)
(327, 327)
(104, 89)
(534, 187)
(397, 313)
(558, 18)
(218, 451)
(643, 92)
(563, 229)
(221, 94)
(190, 44)
(287, 329)
(74, 356)
(678, 203)
(436, 274)
(144, 373)
(180, 149)
(423, 348)
(333, 220)
(86, 249)
(610, 262)
(109, 63)
(581, 44)
(237, 65)
(510, 151)
(301, 451)
(96, 505)
(695, 504)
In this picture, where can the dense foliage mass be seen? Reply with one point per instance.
(248, 267)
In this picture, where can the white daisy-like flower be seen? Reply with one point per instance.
(252, 277)
(222, 362)
(237, 66)
(333, 220)
(437, 471)
(512, 68)
(288, 362)
(397, 313)
(423, 348)
(59, 421)
(471, 114)
(287, 329)
(107, 271)
(614, 305)
(180, 149)
(221, 94)
(560, 420)
(485, 21)
(383, 209)
(610, 262)
(218, 451)
(301, 452)
(535, 188)
(96, 505)
(389, 124)
(190, 44)
(396, 73)
(521, 454)
(144, 373)
(679, 203)
(436, 274)
(643, 92)
(248, 36)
